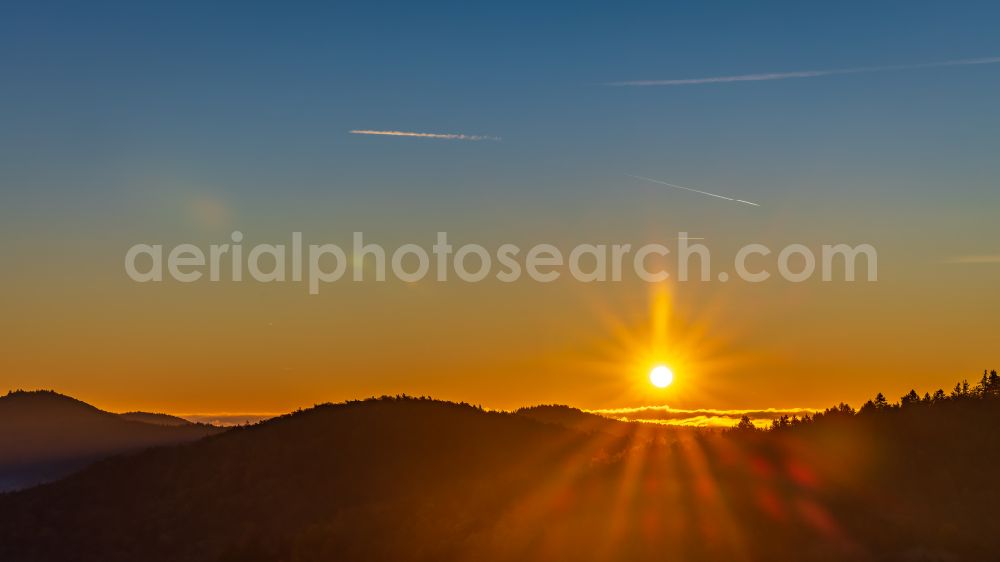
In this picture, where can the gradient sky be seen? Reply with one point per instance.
(122, 124)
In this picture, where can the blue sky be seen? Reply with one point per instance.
(118, 106)
(256, 94)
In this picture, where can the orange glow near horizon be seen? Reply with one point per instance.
(238, 348)
(638, 341)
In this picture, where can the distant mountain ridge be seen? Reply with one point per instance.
(570, 417)
(588, 422)
(156, 419)
(45, 435)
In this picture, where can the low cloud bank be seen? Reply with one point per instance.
(704, 417)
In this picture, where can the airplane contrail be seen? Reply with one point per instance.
(802, 73)
(695, 190)
(446, 136)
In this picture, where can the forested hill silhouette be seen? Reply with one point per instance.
(418, 479)
(45, 435)
(574, 418)
(156, 419)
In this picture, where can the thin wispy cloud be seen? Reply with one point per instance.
(802, 73)
(445, 136)
(716, 195)
(975, 259)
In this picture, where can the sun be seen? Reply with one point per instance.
(661, 376)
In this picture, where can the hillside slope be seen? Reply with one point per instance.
(45, 435)
(365, 481)
(408, 479)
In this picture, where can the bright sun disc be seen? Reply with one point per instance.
(661, 376)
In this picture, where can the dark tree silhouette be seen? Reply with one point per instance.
(404, 479)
